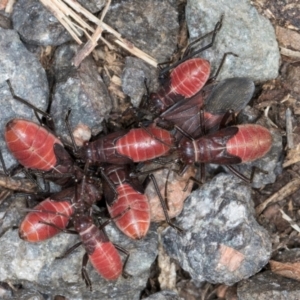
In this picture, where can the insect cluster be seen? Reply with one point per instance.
(191, 122)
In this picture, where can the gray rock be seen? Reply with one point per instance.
(36, 25)
(244, 32)
(35, 267)
(93, 5)
(82, 90)
(221, 242)
(28, 80)
(268, 285)
(28, 294)
(164, 295)
(151, 26)
(134, 75)
(11, 212)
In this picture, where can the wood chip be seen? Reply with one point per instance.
(20, 185)
(288, 38)
(287, 269)
(284, 192)
(292, 157)
(289, 53)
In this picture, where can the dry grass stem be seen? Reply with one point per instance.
(289, 128)
(105, 10)
(287, 218)
(92, 43)
(88, 47)
(284, 192)
(9, 6)
(293, 156)
(266, 112)
(64, 13)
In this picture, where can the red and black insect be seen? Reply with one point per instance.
(184, 81)
(47, 219)
(123, 147)
(37, 148)
(126, 202)
(102, 254)
(231, 94)
(214, 102)
(187, 77)
(230, 145)
(52, 215)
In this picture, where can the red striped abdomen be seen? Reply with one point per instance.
(250, 143)
(190, 76)
(106, 260)
(139, 145)
(31, 144)
(32, 230)
(134, 222)
(102, 253)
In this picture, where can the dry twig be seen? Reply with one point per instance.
(65, 12)
(284, 192)
(20, 185)
(92, 43)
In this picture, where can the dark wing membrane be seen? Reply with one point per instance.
(185, 114)
(232, 93)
